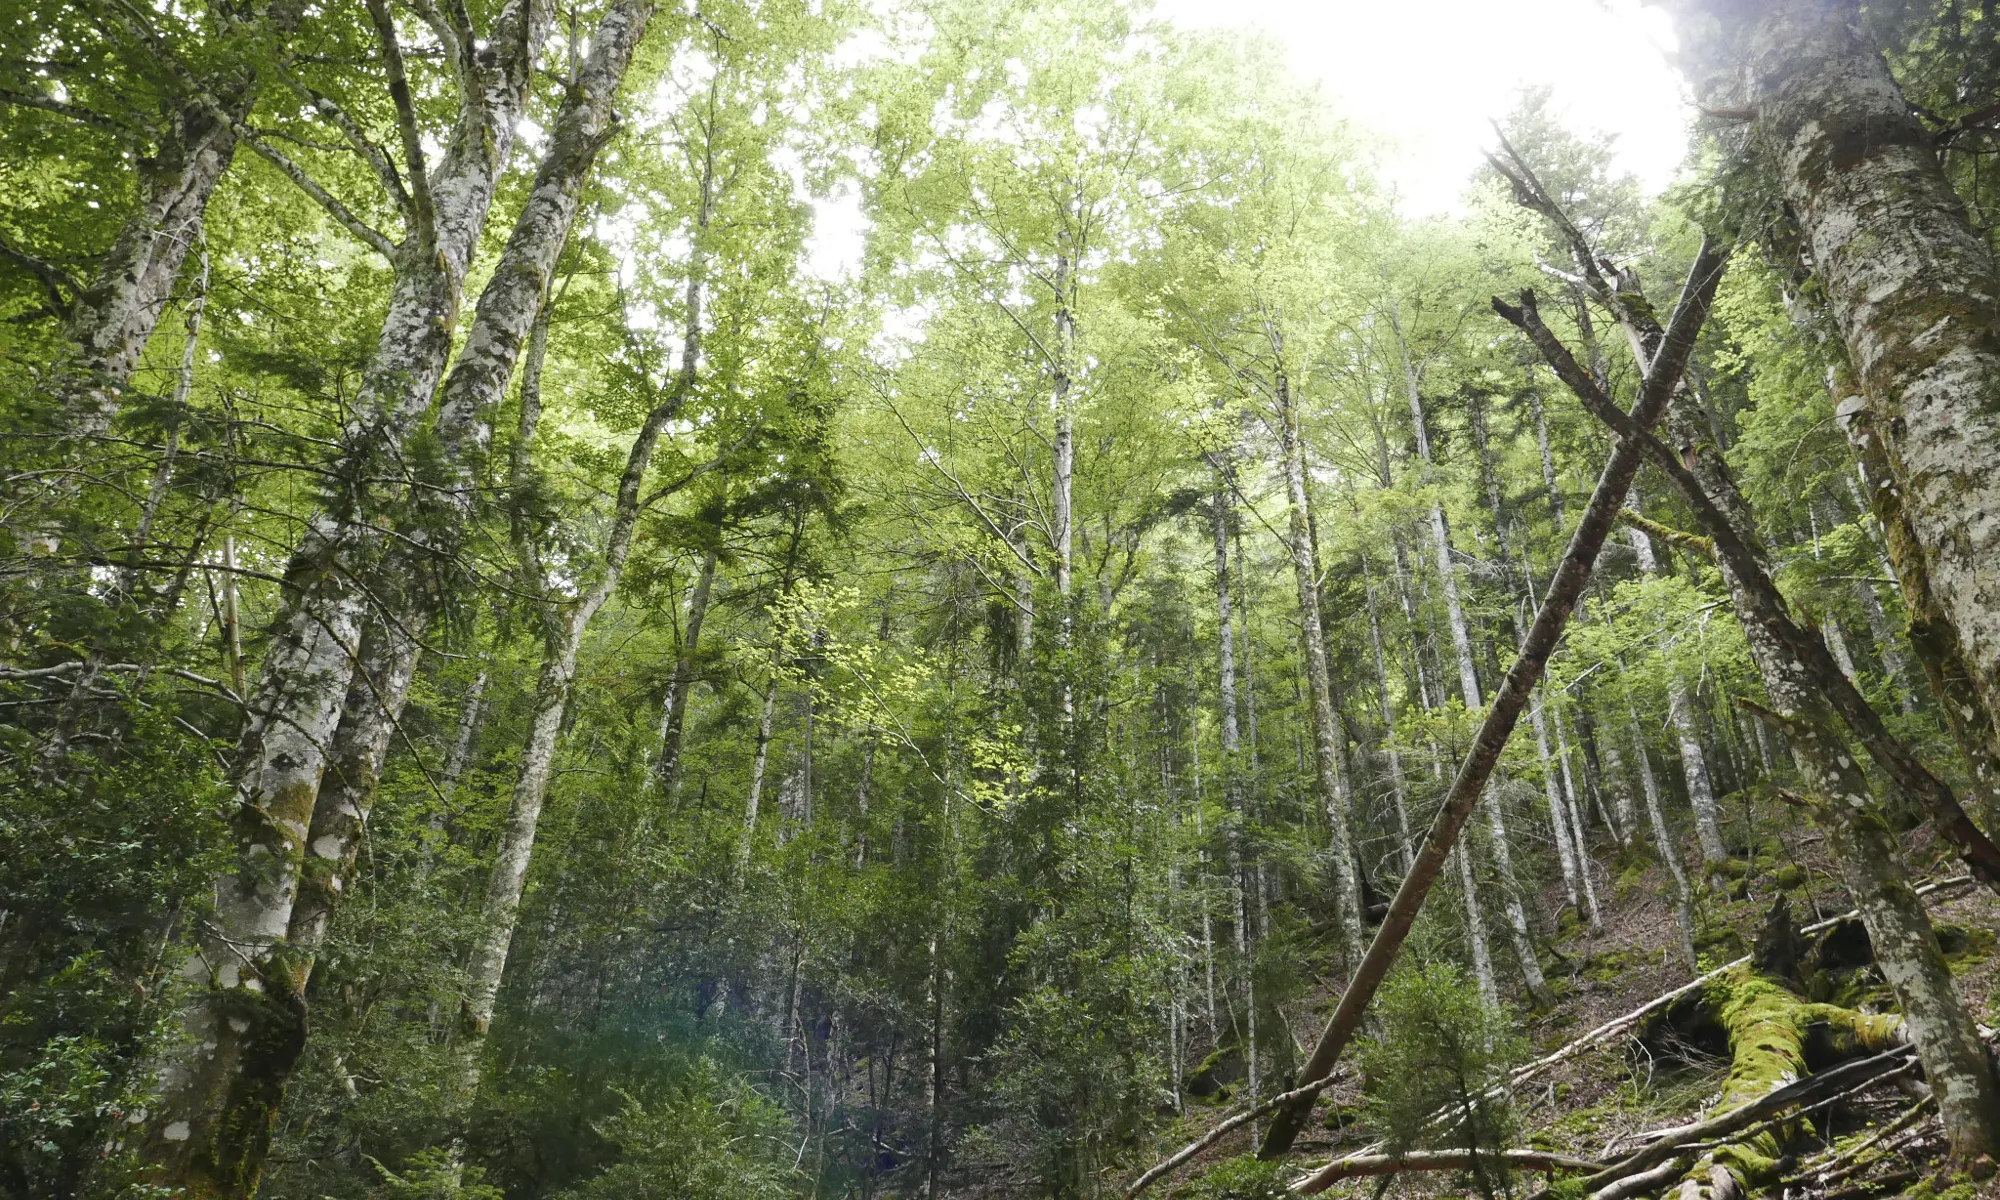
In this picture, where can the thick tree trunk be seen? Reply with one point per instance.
(210, 1131)
(1911, 283)
(110, 323)
(1932, 636)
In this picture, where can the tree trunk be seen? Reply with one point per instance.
(1329, 756)
(211, 1127)
(1911, 283)
(1574, 572)
(110, 323)
(1670, 849)
(1468, 680)
(673, 724)
(1405, 845)
(1694, 763)
(1812, 697)
(1239, 817)
(1475, 926)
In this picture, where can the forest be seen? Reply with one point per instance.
(524, 674)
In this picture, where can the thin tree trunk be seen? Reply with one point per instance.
(1670, 850)
(1662, 378)
(1468, 679)
(1578, 829)
(1328, 755)
(1475, 926)
(1246, 928)
(1405, 845)
(674, 723)
(1694, 763)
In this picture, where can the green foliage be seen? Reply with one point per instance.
(436, 1174)
(1440, 1050)
(1244, 1178)
(705, 1138)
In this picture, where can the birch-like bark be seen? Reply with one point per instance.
(1932, 636)
(1475, 926)
(212, 1127)
(1468, 680)
(1911, 283)
(1578, 829)
(673, 724)
(1812, 698)
(760, 761)
(1232, 787)
(1569, 854)
(511, 318)
(1328, 750)
(1391, 750)
(563, 629)
(1663, 838)
(111, 320)
(1687, 738)
(1565, 589)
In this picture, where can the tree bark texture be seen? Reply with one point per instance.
(1911, 283)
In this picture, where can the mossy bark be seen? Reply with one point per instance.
(1768, 1027)
(1910, 282)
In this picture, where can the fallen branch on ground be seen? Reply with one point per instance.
(1356, 1166)
(1805, 1091)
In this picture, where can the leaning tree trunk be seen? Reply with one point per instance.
(1912, 284)
(564, 627)
(1564, 590)
(110, 323)
(1468, 681)
(1812, 698)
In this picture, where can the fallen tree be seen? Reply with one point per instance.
(1357, 1166)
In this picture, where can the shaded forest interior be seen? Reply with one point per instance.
(786, 598)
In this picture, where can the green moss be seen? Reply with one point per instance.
(1965, 943)
(1791, 876)
(1610, 967)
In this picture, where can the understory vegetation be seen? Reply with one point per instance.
(779, 598)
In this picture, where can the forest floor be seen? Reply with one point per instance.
(1652, 1075)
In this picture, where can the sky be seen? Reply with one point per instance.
(1429, 74)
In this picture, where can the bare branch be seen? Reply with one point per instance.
(53, 278)
(363, 232)
(62, 108)
(423, 212)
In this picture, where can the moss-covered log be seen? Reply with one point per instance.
(1769, 1027)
